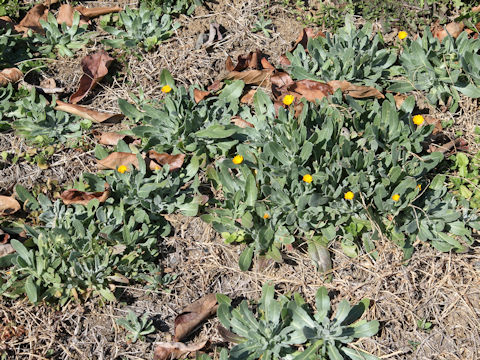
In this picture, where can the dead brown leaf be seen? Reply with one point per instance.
(355, 91)
(112, 138)
(65, 15)
(437, 123)
(215, 86)
(199, 95)
(92, 115)
(6, 22)
(116, 159)
(454, 29)
(305, 35)
(8, 205)
(237, 120)
(251, 77)
(194, 314)
(74, 196)
(175, 350)
(95, 67)
(9, 75)
(399, 99)
(248, 97)
(32, 19)
(310, 89)
(98, 11)
(174, 161)
(6, 249)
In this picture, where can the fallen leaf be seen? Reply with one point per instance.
(194, 314)
(9, 75)
(199, 95)
(6, 22)
(3, 237)
(283, 60)
(215, 86)
(266, 64)
(115, 159)
(237, 120)
(174, 161)
(305, 35)
(251, 77)
(175, 350)
(399, 99)
(32, 19)
(98, 11)
(281, 78)
(450, 147)
(95, 67)
(92, 115)
(248, 97)
(355, 91)
(8, 205)
(454, 29)
(74, 196)
(112, 138)
(310, 89)
(6, 249)
(65, 15)
(437, 123)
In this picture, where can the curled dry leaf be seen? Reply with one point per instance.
(355, 91)
(174, 161)
(175, 350)
(112, 138)
(251, 77)
(98, 11)
(399, 99)
(237, 120)
(310, 89)
(454, 29)
(437, 123)
(32, 19)
(116, 159)
(8, 205)
(95, 67)
(65, 15)
(194, 314)
(199, 95)
(92, 115)
(6, 249)
(74, 196)
(215, 86)
(9, 75)
(3, 237)
(248, 97)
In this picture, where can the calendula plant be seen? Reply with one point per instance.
(137, 327)
(441, 69)
(40, 124)
(263, 25)
(14, 48)
(316, 178)
(179, 124)
(64, 40)
(173, 6)
(143, 27)
(349, 54)
(282, 323)
(5, 105)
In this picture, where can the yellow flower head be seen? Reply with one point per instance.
(266, 216)
(307, 178)
(395, 197)
(288, 99)
(418, 119)
(349, 195)
(157, 167)
(419, 187)
(122, 168)
(237, 160)
(166, 89)
(402, 35)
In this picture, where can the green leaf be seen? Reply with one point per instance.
(401, 87)
(310, 352)
(333, 353)
(366, 329)
(107, 294)
(217, 131)
(470, 90)
(438, 182)
(31, 290)
(129, 110)
(24, 196)
(322, 302)
(21, 251)
(251, 190)
(246, 257)
(167, 79)
(232, 91)
(358, 355)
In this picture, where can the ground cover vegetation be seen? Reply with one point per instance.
(330, 146)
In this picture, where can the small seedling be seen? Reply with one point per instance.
(137, 326)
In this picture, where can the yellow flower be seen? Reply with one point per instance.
(402, 35)
(237, 160)
(349, 195)
(288, 99)
(157, 167)
(122, 168)
(395, 197)
(418, 119)
(266, 216)
(419, 187)
(307, 178)
(166, 89)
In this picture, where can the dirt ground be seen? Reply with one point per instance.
(443, 289)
